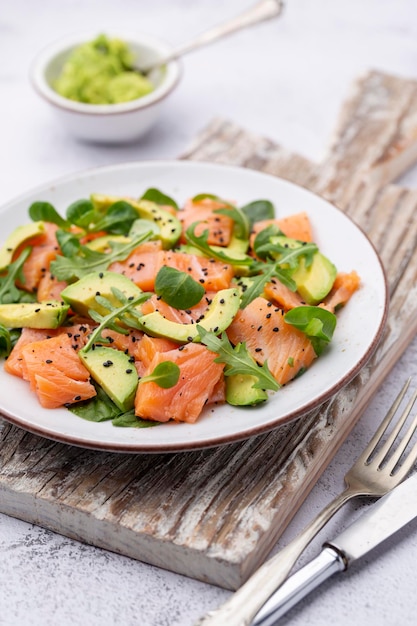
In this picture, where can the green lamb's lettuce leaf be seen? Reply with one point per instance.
(165, 375)
(317, 323)
(46, 212)
(8, 339)
(155, 195)
(118, 219)
(258, 210)
(178, 289)
(237, 359)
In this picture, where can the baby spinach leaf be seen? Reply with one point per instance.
(317, 323)
(237, 359)
(155, 195)
(44, 211)
(178, 289)
(258, 210)
(165, 375)
(97, 409)
(130, 420)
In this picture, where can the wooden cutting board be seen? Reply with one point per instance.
(215, 514)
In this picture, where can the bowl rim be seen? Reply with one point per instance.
(47, 54)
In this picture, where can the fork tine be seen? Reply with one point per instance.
(364, 457)
(383, 453)
(396, 456)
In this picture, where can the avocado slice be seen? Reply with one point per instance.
(16, 238)
(114, 372)
(48, 314)
(315, 282)
(81, 295)
(219, 316)
(241, 392)
(169, 226)
(102, 244)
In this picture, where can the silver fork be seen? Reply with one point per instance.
(373, 474)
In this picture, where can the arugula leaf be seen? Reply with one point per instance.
(317, 323)
(237, 359)
(44, 211)
(178, 289)
(154, 195)
(263, 238)
(201, 242)
(87, 260)
(165, 375)
(242, 225)
(256, 285)
(258, 210)
(126, 313)
(9, 292)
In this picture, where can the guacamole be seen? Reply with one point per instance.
(100, 72)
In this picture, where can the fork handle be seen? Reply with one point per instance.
(245, 603)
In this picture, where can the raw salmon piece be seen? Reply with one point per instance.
(150, 346)
(126, 343)
(49, 287)
(296, 226)
(181, 316)
(185, 401)
(343, 288)
(57, 353)
(220, 226)
(44, 250)
(213, 275)
(142, 265)
(284, 297)
(269, 338)
(13, 364)
(56, 389)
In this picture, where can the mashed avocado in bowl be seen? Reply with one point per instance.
(100, 72)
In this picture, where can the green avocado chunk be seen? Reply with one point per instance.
(81, 295)
(48, 314)
(218, 317)
(315, 282)
(16, 238)
(169, 225)
(241, 392)
(114, 372)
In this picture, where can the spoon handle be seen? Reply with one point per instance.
(262, 10)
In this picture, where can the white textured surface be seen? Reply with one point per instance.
(286, 80)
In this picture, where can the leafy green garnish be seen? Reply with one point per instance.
(258, 210)
(82, 213)
(242, 225)
(8, 339)
(267, 271)
(101, 409)
(165, 375)
(201, 242)
(44, 211)
(118, 219)
(210, 196)
(317, 323)
(178, 289)
(126, 314)
(9, 292)
(237, 359)
(87, 260)
(155, 195)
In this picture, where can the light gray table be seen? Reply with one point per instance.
(312, 54)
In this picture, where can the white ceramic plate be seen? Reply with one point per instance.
(358, 331)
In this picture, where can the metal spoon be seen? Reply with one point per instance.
(261, 11)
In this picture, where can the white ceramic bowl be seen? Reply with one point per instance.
(106, 123)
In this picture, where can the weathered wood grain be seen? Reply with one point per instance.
(215, 514)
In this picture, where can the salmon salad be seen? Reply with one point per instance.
(141, 311)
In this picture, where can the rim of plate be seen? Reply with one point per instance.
(240, 435)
